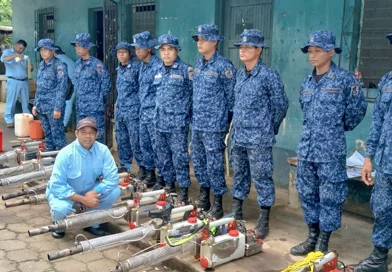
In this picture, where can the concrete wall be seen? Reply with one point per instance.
(181, 18)
(71, 17)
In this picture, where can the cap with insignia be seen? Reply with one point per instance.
(122, 45)
(84, 40)
(144, 40)
(209, 32)
(168, 39)
(251, 37)
(324, 39)
(46, 43)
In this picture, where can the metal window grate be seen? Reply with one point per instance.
(375, 53)
(44, 27)
(143, 14)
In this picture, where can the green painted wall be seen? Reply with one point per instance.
(181, 18)
(71, 17)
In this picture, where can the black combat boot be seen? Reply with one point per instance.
(237, 208)
(262, 226)
(170, 188)
(150, 178)
(204, 199)
(183, 197)
(161, 181)
(309, 244)
(322, 241)
(216, 210)
(376, 262)
(142, 174)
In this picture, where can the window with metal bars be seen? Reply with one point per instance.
(142, 13)
(44, 27)
(375, 54)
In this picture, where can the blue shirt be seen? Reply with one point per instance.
(92, 86)
(173, 97)
(70, 66)
(379, 142)
(147, 92)
(260, 106)
(77, 170)
(213, 94)
(14, 69)
(331, 106)
(127, 84)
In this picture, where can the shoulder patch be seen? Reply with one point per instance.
(100, 68)
(60, 73)
(354, 89)
(228, 73)
(190, 73)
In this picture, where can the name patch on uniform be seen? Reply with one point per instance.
(387, 90)
(158, 76)
(176, 76)
(307, 91)
(229, 73)
(197, 70)
(215, 74)
(354, 89)
(332, 90)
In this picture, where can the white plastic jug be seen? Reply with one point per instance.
(22, 127)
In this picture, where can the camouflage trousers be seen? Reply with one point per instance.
(172, 152)
(54, 131)
(381, 205)
(207, 152)
(128, 142)
(322, 189)
(253, 163)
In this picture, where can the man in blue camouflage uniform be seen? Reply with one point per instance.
(260, 106)
(92, 84)
(332, 102)
(49, 102)
(144, 44)
(17, 83)
(71, 74)
(173, 83)
(127, 109)
(379, 147)
(213, 99)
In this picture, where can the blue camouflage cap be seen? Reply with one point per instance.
(389, 38)
(45, 43)
(122, 45)
(84, 40)
(209, 32)
(252, 37)
(324, 39)
(168, 39)
(144, 40)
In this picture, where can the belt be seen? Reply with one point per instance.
(24, 79)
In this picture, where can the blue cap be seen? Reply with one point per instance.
(84, 40)
(168, 39)
(144, 40)
(324, 39)
(46, 43)
(252, 37)
(122, 45)
(389, 38)
(208, 32)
